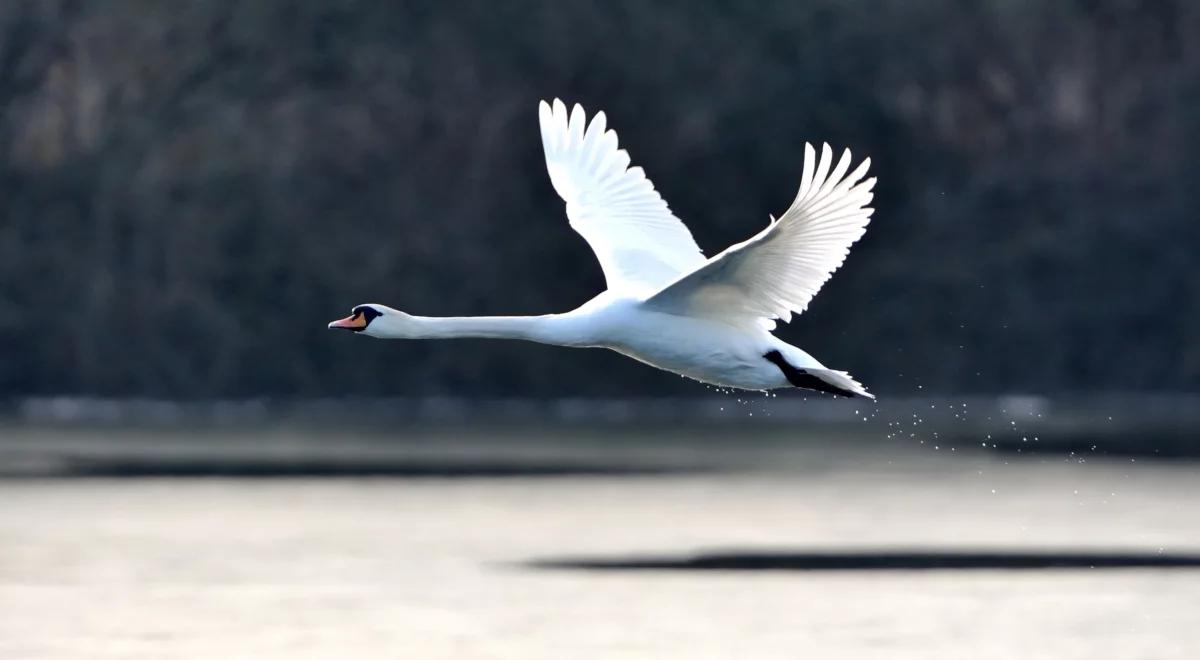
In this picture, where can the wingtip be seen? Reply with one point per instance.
(578, 118)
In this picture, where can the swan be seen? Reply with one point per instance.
(666, 305)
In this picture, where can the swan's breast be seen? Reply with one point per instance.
(707, 351)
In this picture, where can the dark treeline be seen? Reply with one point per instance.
(189, 191)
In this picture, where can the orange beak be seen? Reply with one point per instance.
(355, 322)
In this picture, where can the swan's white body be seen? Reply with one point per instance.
(666, 305)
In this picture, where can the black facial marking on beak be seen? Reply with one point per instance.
(360, 317)
(369, 313)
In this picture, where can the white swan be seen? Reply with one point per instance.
(666, 305)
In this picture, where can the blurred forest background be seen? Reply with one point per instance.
(189, 191)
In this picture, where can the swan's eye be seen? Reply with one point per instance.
(369, 313)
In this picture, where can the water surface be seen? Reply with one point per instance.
(465, 567)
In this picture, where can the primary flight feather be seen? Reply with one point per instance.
(666, 304)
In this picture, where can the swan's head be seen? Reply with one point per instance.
(374, 321)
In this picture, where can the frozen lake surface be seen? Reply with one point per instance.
(449, 557)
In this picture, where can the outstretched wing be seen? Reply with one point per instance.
(640, 244)
(778, 271)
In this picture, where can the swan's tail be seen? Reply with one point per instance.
(816, 377)
(837, 382)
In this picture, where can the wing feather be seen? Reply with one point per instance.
(640, 244)
(778, 271)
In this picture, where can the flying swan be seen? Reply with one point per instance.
(666, 304)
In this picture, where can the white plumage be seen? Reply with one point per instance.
(781, 269)
(666, 305)
(640, 244)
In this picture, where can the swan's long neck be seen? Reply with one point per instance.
(549, 329)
